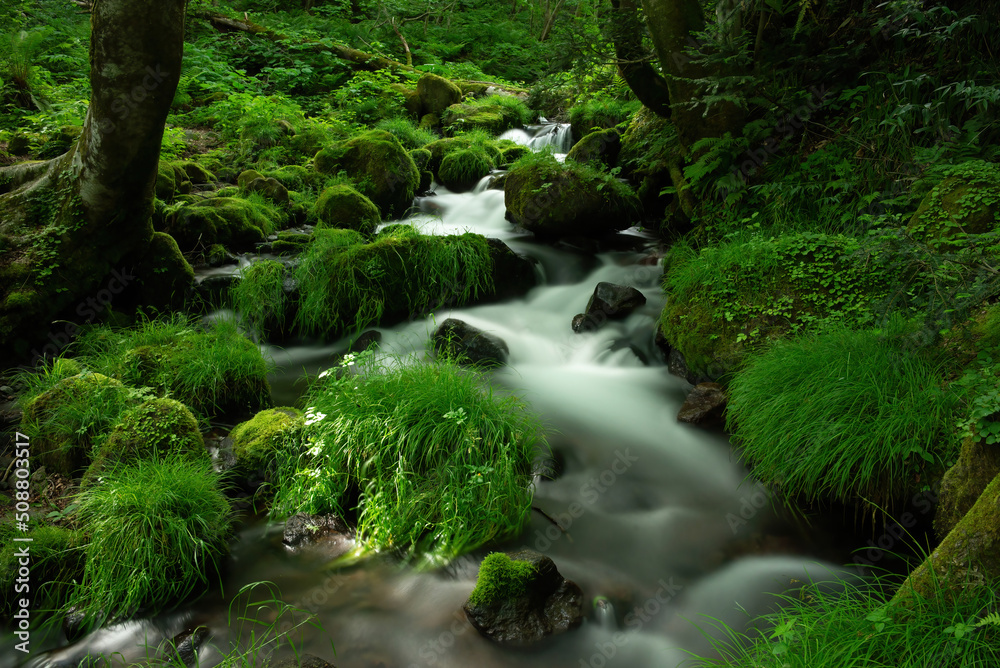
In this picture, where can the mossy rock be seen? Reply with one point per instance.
(247, 176)
(552, 199)
(293, 177)
(380, 167)
(165, 278)
(290, 243)
(344, 207)
(156, 429)
(257, 442)
(411, 99)
(511, 154)
(421, 157)
(492, 118)
(429, 122)
(501, 578)
(166, 181)
(587, 117)
(64, 421)
(442, 147)
(731, 299)
(472, 88)
(966, 202)
(978, 463)
(235, 223)
(602, 147)
(60, 142)
(461, 170)
(194, 172)
(269, 188)
(640, 154)
(437, 93)
(57, 563)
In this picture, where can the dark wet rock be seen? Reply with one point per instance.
(705, 404)
(327, 533)
(304, 661)
(187, 643)
(269, 188)
(602, 146)
(74, 625)
(609, 302)
(365, 341)
(213, 289)
(469, 345)
(513, 274)
(550, 604)
(677, 366)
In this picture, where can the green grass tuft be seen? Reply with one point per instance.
(842, 414)
(500, 578)
(429, 460)
(57, 558)
(157, 530)
(407, 132)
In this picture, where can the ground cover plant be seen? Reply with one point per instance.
(843, 414)
(427, 458)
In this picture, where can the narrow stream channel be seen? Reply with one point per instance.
(657, 517)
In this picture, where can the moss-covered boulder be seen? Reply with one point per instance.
(193, 172)
(421, 158)
(602, 147)
(437, 93)
(165, 278)
(461, 170)
(56, 565)
(977, 465)
(166, 181)
(235, 223)
(492, 118)
(734, 297)
(511, 154)
(555, 199)
(155, 430)
(344, 207)
(379, 166)
(411, 100)
(600, 115)
(257, 442)
(270, 189)
(246, 176)
(64, 422)
(290, 242)
(294, 177)
(967, 201)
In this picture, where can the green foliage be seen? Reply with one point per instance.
(980, 386)
(461, 170)
(501, 579)
(442, 464)
(158, 530)
(214, 372)
(600, 113)
(841, 414)
(967, 201)
(156, 429)
(57, 558)
(347, 287)
(407, 132)
(821, 627)
(368, 97)
(259, 296)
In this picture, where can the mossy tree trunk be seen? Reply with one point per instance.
(969, 556)
(66, 224)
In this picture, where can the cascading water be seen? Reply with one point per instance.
(537, 137)
(657, 518)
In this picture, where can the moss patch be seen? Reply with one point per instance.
(501, 578)
(344, 207)
(461, 170)
(235, 223)
(257, 442)
(57, 562)
(967, 201)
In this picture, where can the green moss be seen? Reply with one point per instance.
(731, 298)
(601, 146)
(494, 114)
(379, 166)
(293, 177)
(247, 176)
(290, 243)
(257, 442)
(165, 277)
(978, 463)
(193, 172)
(501, 579)
(260, 298)
(233, 222)
(421, 158)
(57, 562)
(346, 288)
(599, 114)
(553, 199)
(65, 421)
(461, 170)
(155, 430)
(437, 93)
(511, 154)
(344, 207)
(966, 202)
(166, 181)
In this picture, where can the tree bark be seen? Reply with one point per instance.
(633, 63)
(67, 223)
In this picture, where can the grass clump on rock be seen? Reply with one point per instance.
(214, 372)
(501, 578)
(461, 170)
(57, 558)
(842, 414)
(426, 458)
(158, 530)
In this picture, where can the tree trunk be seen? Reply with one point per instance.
(65, 225)
(645, 82)
(969, 556)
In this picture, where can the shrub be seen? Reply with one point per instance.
(158, 530)
(842, 414)
(214, 372)
(429, 460)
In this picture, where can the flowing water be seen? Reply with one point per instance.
(661, 526)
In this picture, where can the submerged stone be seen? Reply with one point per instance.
(705, 404)
(609, 302)
(461, 341)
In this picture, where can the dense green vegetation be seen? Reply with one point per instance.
(826, 172)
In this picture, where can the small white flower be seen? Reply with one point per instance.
(348, 359)
(315, 450)
(313, 418)
(312, 473)
(326, 373)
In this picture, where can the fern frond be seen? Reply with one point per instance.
(804, 6)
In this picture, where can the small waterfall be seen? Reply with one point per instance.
(536, 137)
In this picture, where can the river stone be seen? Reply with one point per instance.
(304, 661)
(437, 93)
(552, 605)
(609, 302)
(469, 345)
(705, 404)
(328, 533)
(269, 188)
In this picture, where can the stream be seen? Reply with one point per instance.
(658, 518)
